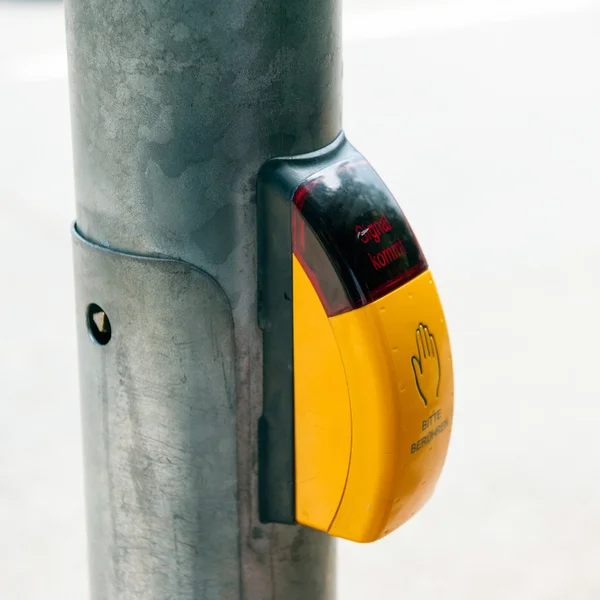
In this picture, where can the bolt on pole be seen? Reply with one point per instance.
(175, 106)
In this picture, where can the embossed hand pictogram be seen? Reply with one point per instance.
(426, 365)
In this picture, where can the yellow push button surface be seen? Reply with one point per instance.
(396, 354)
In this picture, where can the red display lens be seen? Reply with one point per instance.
(318, 267)
(351, 237)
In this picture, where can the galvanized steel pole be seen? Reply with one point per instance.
(175, 105)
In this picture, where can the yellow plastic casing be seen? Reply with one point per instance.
(373, 406)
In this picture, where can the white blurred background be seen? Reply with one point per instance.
(484, 118)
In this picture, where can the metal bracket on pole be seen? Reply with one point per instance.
(160, 485)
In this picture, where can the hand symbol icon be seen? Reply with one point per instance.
(426, 365)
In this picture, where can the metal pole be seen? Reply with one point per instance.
(175, 105)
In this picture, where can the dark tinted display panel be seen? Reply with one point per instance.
(357, 227)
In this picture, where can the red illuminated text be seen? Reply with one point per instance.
(388, 255)
(373, 231)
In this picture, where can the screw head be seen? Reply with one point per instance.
(98, 325)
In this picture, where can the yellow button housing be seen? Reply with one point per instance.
(373, 408)
(323, 423)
